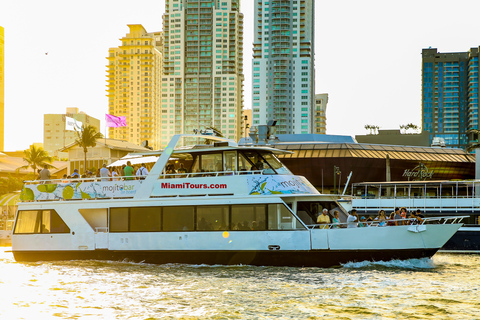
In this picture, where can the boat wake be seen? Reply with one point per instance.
(423, 263)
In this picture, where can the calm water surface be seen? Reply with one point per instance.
(445, 287)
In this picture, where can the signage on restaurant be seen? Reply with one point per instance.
(420, 172)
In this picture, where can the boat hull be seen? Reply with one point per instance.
(465, 240)
(312, 258)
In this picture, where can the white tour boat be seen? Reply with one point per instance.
(233, 205)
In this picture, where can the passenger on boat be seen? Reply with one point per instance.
(259, 165)
(323, 219)
(381, 218)
(115, 175)
(75, 174)
(391, 220)
(105, 173)
(181, 169)
(403, 212)
(418, 216)
(128, 171)
(335, 220)
(142, 172)
(398, 216)
(44, 174)
(352, 219)
(363, 222)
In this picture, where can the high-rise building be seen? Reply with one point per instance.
(320, 117)
(283, 65)
(56, 135)
(202, 81)
(450, 95)
(2, 88)
(134, 84)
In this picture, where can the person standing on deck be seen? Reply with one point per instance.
(323, 219)
(352, 220)
(128, 171)
(104, 172)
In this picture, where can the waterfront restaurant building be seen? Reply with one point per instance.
(327, 160)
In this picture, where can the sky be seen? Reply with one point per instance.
(367, 56)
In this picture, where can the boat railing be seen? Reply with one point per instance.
(404, 222)
(163, 176)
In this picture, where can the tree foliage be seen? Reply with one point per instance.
(36, 158)
(87, 137)
(405, 127)
(372, 128)
(10, 184)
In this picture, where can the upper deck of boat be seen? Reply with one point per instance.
(219, 169)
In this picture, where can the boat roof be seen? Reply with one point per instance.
(212, 148)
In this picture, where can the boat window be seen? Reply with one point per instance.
(95, 217)
(178, 218)
(248, 217)
(212, 162)
(196, 165)
(230, 160)
(243, 163)
(27, 222)
(43, 221)
(280, 218)
(145, 219)
(212, 218)
(118, 219)
(255, 162)
(274, 164)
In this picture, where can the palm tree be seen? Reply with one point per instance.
(87, 137)
(36, 158)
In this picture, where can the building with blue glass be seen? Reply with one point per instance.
(283, 73)
(450, 95)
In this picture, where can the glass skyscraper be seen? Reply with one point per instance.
(202, 78)
(283, 87)
(450, 95)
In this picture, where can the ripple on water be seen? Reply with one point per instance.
(441, 287)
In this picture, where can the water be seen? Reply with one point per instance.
(445, 287)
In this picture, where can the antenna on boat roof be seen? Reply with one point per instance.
(263, 134)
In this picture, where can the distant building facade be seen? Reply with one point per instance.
(134, 86)
(320, 113)
(202, 82)
(450, 95)
(2, 89)
(56, 137)
(283, 70)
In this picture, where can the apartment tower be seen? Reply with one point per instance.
(2, 89)
(450, 95)
(320, 117)
(202, 81)
(283, 65)
(133, 86)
